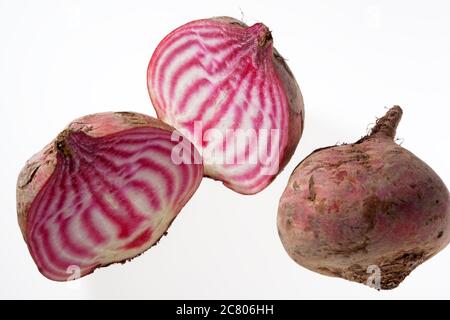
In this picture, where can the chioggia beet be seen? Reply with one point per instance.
(369, 212)
(224, 86)
(104, 191)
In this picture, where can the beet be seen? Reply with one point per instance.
(372, 205)
(104, 191)
(226, 88)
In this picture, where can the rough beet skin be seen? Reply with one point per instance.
(372, 205)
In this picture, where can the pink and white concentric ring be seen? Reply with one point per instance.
(104, 191)
(218, 74)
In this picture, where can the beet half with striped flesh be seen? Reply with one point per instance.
(369, 212)
(225, 87)
(105, 190)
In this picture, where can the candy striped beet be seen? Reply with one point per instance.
(225, 87)
(105, 190)
(369, 212)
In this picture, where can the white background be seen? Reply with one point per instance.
(63, 59)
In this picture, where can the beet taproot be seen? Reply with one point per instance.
(354, 209)
(224, 86)
(104, 191)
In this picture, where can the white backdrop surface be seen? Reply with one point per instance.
(62, 59)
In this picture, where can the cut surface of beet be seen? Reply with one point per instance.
(107, 198)
(224, 86)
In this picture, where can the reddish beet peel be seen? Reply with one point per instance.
(369, 212)
(224, 86)
(105, 190)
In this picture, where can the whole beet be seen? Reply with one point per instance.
(369, 212)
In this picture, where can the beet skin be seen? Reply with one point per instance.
(353, 210)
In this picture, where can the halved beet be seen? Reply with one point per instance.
(105, 190)
(226, 88)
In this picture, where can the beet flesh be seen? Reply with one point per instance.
(350, 209)
(224, 86)
(104, 191)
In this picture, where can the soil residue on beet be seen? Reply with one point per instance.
(312, 190)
